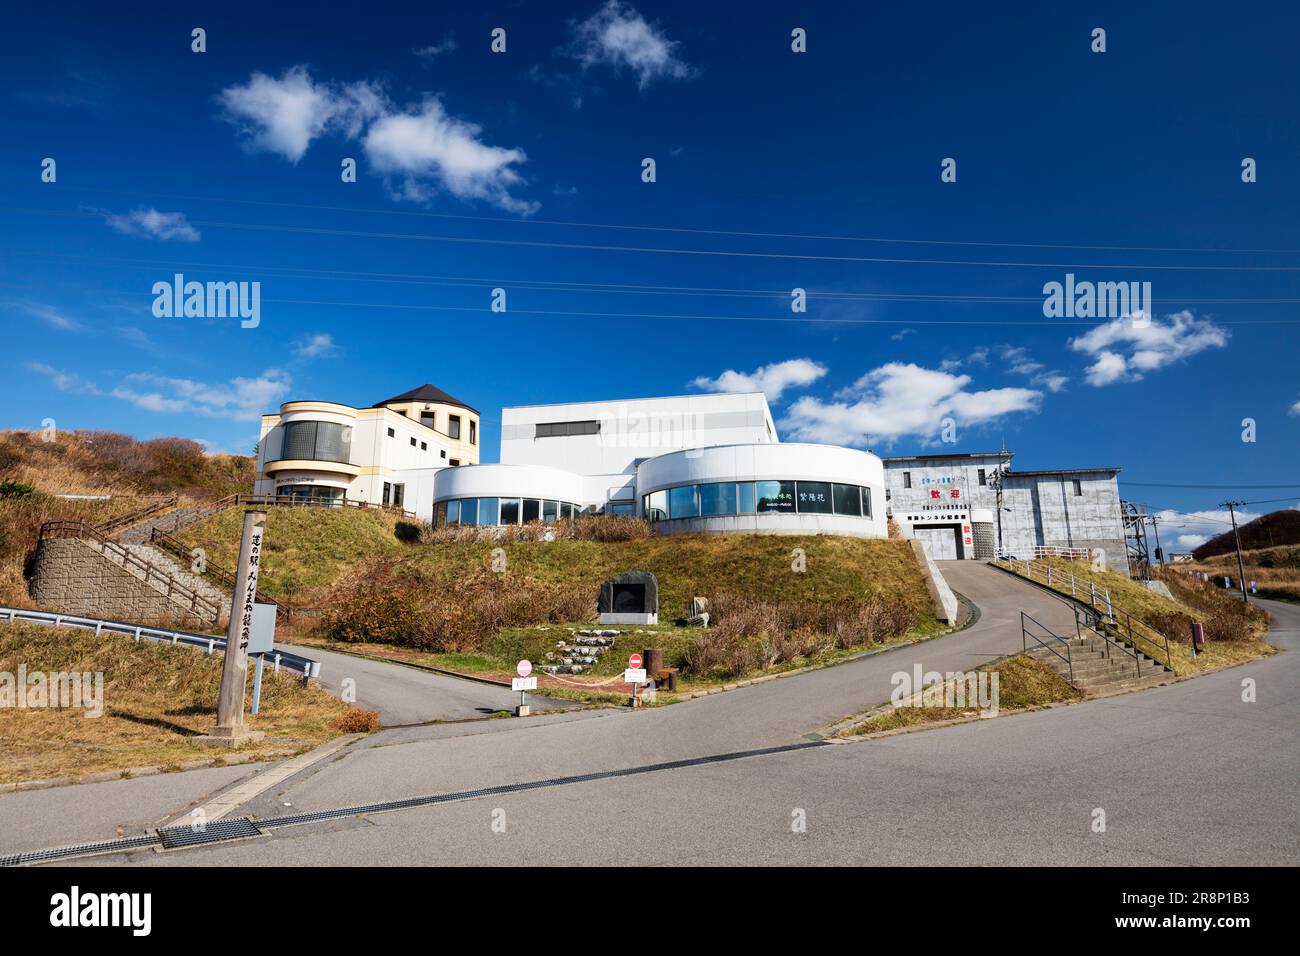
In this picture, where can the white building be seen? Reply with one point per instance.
(688, 463)
(692, 463)
(386, 454)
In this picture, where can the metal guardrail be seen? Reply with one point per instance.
(278, 659)
(1059, 579)
(198, 604)
(1026, 635)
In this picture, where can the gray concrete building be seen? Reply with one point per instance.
(975, 505)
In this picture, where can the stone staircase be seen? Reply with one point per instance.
(177, 519)
(580, 652)
(162, 572)
(1102, 668)
(195, 582)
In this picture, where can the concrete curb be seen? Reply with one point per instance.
(130, 773)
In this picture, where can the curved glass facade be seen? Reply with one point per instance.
(488, 511)
(316, 441)
(720, 498)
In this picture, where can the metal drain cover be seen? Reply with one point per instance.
(236, 829)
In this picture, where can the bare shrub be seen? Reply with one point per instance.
(583, 528)
(356, 720)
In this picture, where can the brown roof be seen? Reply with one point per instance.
(425, 393)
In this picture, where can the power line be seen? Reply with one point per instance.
(682, 229)
(658, 250)
(601, 287)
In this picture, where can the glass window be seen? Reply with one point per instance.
(487, 511)
(682, 502)
(621, 508)
(399, 495)
(718, 498)
(510, 511)
(983, 477)
(428, 419)
(316, 441)
(907, 479)
(815, 497)
(550, 510)
(655, 506)
(532, 508)
(1078, 488)
(388, 493)
(440, 514)
(746, 497)
(848, 500)
(775, 496)
(866, 502)
(453, 426)
(566, 510)
(469, 511)
(453, 512)
(424, 446)
(473, 432)
(390, 433)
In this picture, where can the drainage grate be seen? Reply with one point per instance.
(433, 800)
(234, 829)
(80, 849)
(241, 827)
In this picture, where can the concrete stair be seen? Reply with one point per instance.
(1102, 668)
(178, 519)
(580, 652)
(164, 566)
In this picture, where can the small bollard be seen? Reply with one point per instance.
(1198, 637)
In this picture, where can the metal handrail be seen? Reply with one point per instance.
(294, 501)
(198, 604)
(1068, 656)
(302, 665)
(1100, 600)
(126, 520)
(175, 546)
(1097, 626)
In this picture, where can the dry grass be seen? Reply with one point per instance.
(1023, 684)
(156, 698)
(1276, 571)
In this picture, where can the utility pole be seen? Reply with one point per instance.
(1160, 554)
(1241, 567)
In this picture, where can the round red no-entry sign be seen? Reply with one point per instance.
(524, 668)
(634, 662)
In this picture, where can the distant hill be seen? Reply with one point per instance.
(1266, 531)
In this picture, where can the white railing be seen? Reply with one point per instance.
(1061, 580)
(1070, 554)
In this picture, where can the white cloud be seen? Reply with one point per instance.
(902, 334)
(54, 318)
(152, 224)
(1189, 530)
(240, 399)
(446, 45)
(900, 399)
(284, 115)
(64, 381)
(1123, 350)
(1295, 409)
(619, 37)
(428, 144)
(1019, 362)
(772, 380)
(319, 345)
(423, 147)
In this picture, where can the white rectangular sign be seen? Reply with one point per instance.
(523, 683)
(631, 676)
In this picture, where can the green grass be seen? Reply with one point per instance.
(838, 568)
(305, 549)
(1023, 684)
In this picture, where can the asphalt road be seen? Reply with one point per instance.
(1187, 773)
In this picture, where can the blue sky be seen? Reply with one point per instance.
(774, 170)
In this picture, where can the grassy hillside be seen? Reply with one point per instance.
(1276, 571)
(1234, 633)
(156, 697)
(1267, 531)
(33, 473)
(305, 548)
